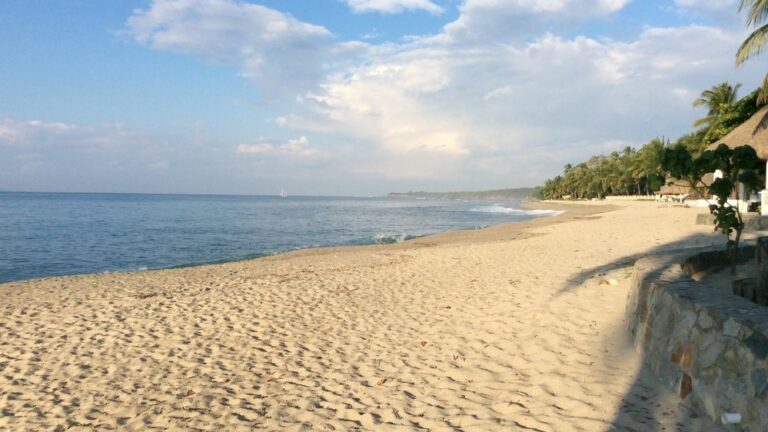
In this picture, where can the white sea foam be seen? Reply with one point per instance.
(133, 269)
(497, 208)
(390, 239)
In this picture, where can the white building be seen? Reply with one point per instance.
(753, 132)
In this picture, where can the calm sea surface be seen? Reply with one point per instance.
(47, 234)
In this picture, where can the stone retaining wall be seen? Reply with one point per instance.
(707, 344)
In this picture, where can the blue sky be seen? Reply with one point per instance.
(345, 97)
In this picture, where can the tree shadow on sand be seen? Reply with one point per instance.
(695, 241)
(649, 405)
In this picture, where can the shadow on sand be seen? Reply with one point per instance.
(694, 241)
(649, 406)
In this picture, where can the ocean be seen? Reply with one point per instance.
(50, 234)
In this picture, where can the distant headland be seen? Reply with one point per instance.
(498, 194)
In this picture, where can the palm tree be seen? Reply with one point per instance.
(627, 168)
(756, 15)
(649, 161)
(716, 100)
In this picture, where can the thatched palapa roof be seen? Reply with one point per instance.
(679, 187)
(675, 189)
(753, 132)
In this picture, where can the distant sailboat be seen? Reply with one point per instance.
(283, 193)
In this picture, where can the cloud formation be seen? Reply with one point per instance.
(392, 6)
(111, 158)
(35, 134)
(481, 106)
(711, 5)
(496, 21)
(268, 46)
(298, 147)
(537, 7)
(489, 101)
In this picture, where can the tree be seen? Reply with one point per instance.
(757, 12)
(648, 164)
(694, 142)
(736, 165)
(640, 171)
(717, 101)
(628, 172)
(732, 116)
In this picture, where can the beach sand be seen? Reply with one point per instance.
(512, 327)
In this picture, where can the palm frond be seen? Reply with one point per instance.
(705, 121)
(762, 97)
(752, 45)
(706, 97)
(757, 11)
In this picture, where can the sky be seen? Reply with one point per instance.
(346, 97)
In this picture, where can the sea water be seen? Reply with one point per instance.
(48, 234)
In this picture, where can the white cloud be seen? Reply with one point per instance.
(52, 156)
(437, 103)
(567, 7)
(382, 104)
(711, 5)
(271, 47)
(495, 19)
(392, 6)
(36, 132)
(55, 126)
(723, 12)
(7, 132)
(298, 146)
(499, 92)
(42, 155)
(259, 148)
(293, 147)
(492, 100)
(225, 30)
(373, 34)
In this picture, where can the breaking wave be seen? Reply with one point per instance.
(497, 208)
(391, 239)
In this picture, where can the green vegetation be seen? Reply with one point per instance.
(737, 166)
(757, 14)
(630, 172)
(498, 194)
(731, 115)
(717, 99)
(639, 171)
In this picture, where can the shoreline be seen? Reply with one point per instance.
(526, 205)
(510, 327)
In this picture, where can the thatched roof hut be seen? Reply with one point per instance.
(753, 132)
(679, 187)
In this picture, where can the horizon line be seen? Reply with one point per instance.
(186, 194)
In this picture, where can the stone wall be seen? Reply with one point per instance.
(705, 343)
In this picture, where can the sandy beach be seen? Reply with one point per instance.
(516, 327)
